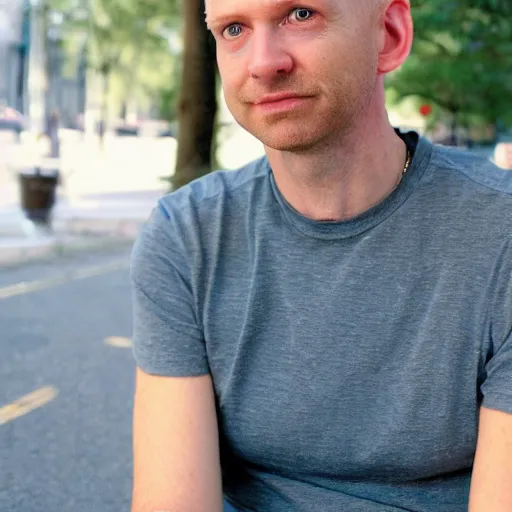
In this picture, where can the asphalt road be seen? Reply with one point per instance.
(65, 393)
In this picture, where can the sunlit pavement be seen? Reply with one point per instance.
(66, 384)
(124, 164)
(107, 191)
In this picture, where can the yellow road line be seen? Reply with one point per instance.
(27, 403)
(118, 342)
(73, 275)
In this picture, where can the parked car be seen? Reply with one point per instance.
(11, 119)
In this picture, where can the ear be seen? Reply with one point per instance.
(396, 35)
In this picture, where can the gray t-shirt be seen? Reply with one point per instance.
(349, 359)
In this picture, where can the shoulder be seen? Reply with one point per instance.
(471, 195)
(205, 192)
(184, 222)
(479, 173)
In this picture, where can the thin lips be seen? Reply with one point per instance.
(272, 98)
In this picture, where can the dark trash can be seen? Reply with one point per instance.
(38, 194)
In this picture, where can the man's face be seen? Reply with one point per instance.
(296, 74)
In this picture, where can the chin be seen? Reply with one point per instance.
(292, 146)
(285, 135)
(284, 132)
(291, 140)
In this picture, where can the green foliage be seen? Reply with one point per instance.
(169, 97)
(461, 59)
(124, 40)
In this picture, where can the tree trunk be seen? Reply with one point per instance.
(105, 75)
(198, 99)
(129, 110)
(53, 134)
(123, 111)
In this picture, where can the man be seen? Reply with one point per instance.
(329, 328)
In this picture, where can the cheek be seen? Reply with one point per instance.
(232, 75)
(354, 63)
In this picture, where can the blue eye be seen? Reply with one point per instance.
(300, 14)
(233, 31)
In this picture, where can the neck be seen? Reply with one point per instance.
(346, 177)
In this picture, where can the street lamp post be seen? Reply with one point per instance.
(23, 52)
(37, 80)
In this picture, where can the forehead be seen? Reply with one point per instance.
(218, 10)
(232, 3)
(226, 7)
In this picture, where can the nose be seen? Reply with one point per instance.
(268, 56)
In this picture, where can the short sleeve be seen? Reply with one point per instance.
(497, 386)
(167, 340)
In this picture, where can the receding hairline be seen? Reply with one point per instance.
(374, 3)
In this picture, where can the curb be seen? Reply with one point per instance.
(100, 227)
(101, 223)
(62, 246)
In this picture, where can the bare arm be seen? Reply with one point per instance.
(491, 485)
(175, 443)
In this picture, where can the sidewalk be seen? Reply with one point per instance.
(104, 199)
(90, 223)
(97, 214)
(105, 196)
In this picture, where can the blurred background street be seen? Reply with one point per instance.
(104, 107)
(65, 351)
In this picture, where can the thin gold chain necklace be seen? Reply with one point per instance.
(408, 159)
(406, 166)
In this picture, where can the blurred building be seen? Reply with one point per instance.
(37, 77)
(65, 75)
(14, 39)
